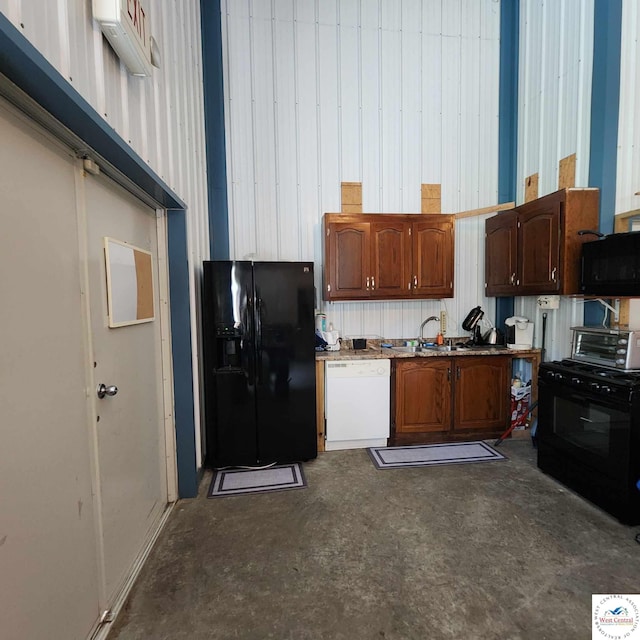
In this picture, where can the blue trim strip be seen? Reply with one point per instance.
(181, 350)
(508, 102)
(30, 71)
(211, 23)
(605, 105)
(508, 121)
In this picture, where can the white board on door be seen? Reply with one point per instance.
(129, 283)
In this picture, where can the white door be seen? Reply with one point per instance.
(131, 464)
(49, 581)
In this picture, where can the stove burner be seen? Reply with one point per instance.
(594, 377)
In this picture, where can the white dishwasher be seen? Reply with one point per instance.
(357, 396)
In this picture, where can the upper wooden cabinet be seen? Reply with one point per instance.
(433, 257)
(535, 248)
(387, 256)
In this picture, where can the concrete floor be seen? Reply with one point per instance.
(490, 550)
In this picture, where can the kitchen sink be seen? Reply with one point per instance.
(427, 348)
(433, 347)
(409, 349)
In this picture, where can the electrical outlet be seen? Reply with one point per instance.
(443, 322)
(549, 302)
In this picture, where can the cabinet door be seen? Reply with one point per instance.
(390, 259)
(423, 395)
(347, 259)
(538, 239)
(481, 393)
(500, 258)
(433, 258)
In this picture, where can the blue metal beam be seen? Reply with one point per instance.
(605, 105)
(508, 100)
(508, 121)
(210, 18)
(181, 346)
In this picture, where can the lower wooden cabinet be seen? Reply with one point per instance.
(449, 399)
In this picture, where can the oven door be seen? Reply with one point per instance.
(588, 443)
(585, 427)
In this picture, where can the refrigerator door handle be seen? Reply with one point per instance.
(258, 339)
(247, 342)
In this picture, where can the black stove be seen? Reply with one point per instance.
(588, 433)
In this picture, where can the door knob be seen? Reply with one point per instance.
(103, 390)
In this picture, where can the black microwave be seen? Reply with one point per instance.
(611, 266)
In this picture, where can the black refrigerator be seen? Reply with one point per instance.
(259, 362)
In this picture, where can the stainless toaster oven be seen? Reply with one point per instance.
(615, 348)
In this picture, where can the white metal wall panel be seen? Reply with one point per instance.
(469, 281)
(582, 78)
(529, 91)
(411, 101)
(391, 151)
(391, 112)
(432, 103)
(451, 149)
(371, 114)
(262, 155)
(307, 153)
(40, 24)
(452, 17)
(161, 117)
(488, 123)
(470, 126)
(240, 151)
(569, 56)
(328, 117)
(628, 177)
(390, 94)
(349, 73)
(287, 163)
(552, 67)
(305, 11)
(556, 58)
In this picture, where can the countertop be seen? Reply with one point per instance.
(375, 351)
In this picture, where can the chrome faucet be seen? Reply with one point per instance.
(429, 319)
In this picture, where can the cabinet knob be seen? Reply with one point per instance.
(553, 273)
(373, 282)
(415, 282)
(513, 278)
(368, 283)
